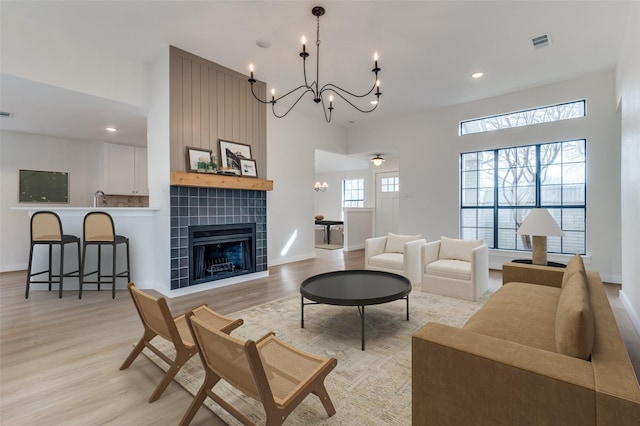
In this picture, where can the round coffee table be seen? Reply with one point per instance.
(354, 288)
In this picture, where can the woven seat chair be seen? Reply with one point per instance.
(158, 321)
(99, 230)
(46, 228)
(267, 370)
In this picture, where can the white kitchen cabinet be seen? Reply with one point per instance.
(124, 170)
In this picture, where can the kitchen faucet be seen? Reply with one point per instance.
(102, 197)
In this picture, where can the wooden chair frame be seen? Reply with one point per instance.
(276, 410)
(158, 321)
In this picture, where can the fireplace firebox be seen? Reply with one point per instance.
(221, 251)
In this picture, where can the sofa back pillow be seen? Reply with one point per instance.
(451, 248)
(575, 326)
(395, 243)
(575, 265)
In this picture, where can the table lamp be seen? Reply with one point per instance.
(540, 225)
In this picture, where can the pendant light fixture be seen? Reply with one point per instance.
(320, 93)
(377, 160)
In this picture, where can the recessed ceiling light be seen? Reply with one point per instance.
(477, 74)
(111, 129)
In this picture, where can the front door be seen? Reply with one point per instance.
(387, 203)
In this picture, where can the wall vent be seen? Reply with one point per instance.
(540, 41)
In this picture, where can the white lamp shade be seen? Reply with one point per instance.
(540, 222)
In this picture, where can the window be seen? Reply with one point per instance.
(390, 184)
(499, 187)
(353, 193)
(524, 118)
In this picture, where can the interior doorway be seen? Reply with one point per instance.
(387, 203)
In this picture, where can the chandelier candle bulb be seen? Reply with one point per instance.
(375, 59)
(304, 44)
(251, 70)
(273, 96)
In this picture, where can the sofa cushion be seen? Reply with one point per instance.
(520, 312)
(448, 268)
(395, 243)
(457, 249)
(388, 261)
(575, 265)
(574, 319)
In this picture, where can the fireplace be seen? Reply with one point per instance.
(192, 206)
(221, 251)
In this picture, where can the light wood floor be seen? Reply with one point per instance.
(59, 358)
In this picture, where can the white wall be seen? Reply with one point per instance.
(51, 56)
(158, 167)
(329, 203)
(428, 149)
(291, 145)
(81, 159)
(628, 85)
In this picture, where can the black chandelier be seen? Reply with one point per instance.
(314, 87)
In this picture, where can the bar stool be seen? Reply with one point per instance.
(46, 228)
(98, 229)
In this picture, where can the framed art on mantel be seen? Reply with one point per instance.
(230, 155)
(248, 167)
(197, 158)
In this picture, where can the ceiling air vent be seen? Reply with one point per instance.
(540, 41)
(6, 114)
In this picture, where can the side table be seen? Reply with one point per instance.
(535, 274)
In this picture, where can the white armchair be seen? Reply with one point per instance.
(455, 268)
(398, 254)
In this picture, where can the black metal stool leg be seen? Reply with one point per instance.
(83, 264)
(99, 265)
(26, 293)
(113, 273)
(61, 271)
(50, 266)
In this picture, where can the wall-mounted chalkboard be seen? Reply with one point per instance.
(37, 186)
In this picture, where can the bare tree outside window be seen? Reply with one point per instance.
(512, 174)
(524, 118)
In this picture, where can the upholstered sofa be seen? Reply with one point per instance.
(545, 349)
(455, 268)
(398, 254)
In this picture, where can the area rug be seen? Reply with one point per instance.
(329, 246)
(371, 387)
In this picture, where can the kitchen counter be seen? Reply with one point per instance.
(136, 223)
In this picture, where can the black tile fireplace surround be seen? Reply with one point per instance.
(213, 206)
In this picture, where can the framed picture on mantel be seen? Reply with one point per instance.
(197, 157)
(248, 167)
(230, 155)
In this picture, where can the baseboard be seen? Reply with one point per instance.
(211, 285)
(283, 260)
(614, 279)
(13, 268)
(354, 247)
(635, 318)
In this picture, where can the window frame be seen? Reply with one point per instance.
(353, 200)
(461, 126)
(496, 207)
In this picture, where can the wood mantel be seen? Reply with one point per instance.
(204, 180)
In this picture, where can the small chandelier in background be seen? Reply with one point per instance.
(320, 186)
(315, 88)
(377, 160)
